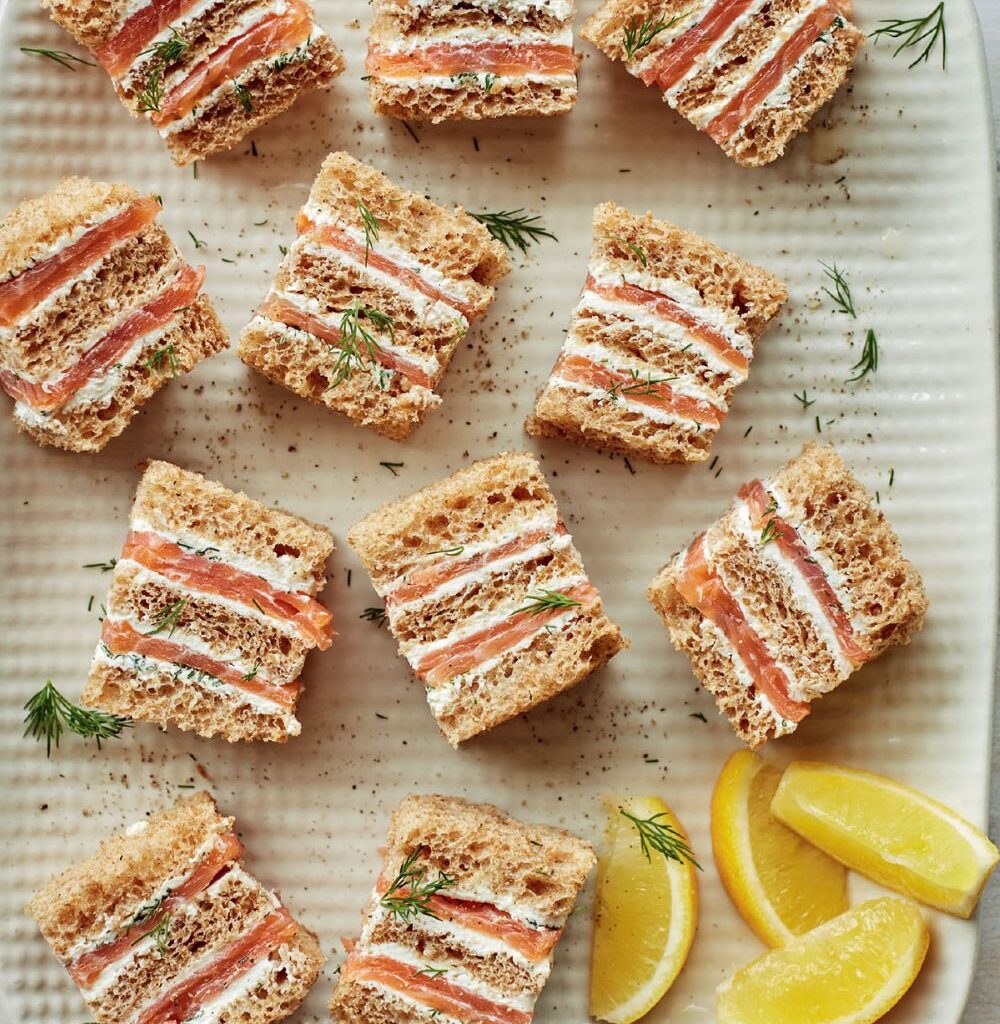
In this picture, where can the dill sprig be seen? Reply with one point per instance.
(151, 94)
(914, 31)
(163, 359)
(411, 891)
(67, 60)
(868, 363)
(637, 250)
(359, 346)
(545, 601)
(841, 295)
(661, 837)
(804, 400)
(431, 972)
(48, 714)
(243, 95)
(170, 50)
(771, 530)
(639, 386)
(168, 620)
(372, 226)
(641, 33)
(376, 615)
(514, 228)
(297, 56)
(165, 53)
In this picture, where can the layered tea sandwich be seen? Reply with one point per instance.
(211, 611)
(98, 310)
(435, 60)
(485, 593)
(464, 918)
(372, 298)
(749, 73)
(164, 924)
(795, 588)
(663, 333)
(206, 73)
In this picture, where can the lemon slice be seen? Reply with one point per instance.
(645, 912)
(850, 970)
(889, 832)
(781, 885)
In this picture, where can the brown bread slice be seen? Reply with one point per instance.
(849, 539)
(481, 507)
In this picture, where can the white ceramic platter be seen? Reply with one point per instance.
(896, 187)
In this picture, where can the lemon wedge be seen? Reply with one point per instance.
(645, 911)
(781, 885)
(850, 970)
(889, 832)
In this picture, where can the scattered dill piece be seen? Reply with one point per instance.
(456, 550)
(641, 33)
(804, 400)
(376, 615)
(661, 837)
(629, 466)
(819, 429)
(198, 243)
(514, 228)
(385, 718)
(392, 466)
(283, 249)
(546, 601)
(67, 60)
(636, 250)
(103, 566)
(413, 134)
(868, 363)
(411, 891)
(892, 476)
(243, 95)
(168, 620)
(698, 715)
(163, 359)
(746, 433)
(431, 972)
(297, 56)
(252, 674)
(914, 31)
(841, 294)
(48, 714)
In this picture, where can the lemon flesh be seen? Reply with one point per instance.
(645, 916)
(889, 832)
(781, 885)
(850, 970)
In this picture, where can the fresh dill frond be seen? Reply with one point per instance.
(372, 226)
(771, 529)
(243, 95)
(514, 228)
(297, 56)
(150, 96)
(914, 31)
(103, 566)
(411, 891)
(376, 615)
(546, 601)
(163, 359)
(67, 60)
(661, 837)
(170, 50)
(252, 673)
(639, 386)
(868, 363)
(431, 972)
(641, 33)
(168, 620)
(48, 714)
(358, 346)
(147, 912)
(841, 294)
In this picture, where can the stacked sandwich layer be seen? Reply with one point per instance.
(163, 924)
(98, 310)
(486, 593)
(663, 333)
(372, 298)
(750, 73)
(434, 60)
(204, 72)
(211, 611)
(800, 584)
(464, 918)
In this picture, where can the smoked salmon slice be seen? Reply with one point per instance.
(121, 638)
(580, 370)
(791, 545)
(273, 34)
(20, 294)
(435, 992)
(767, 79)
(445, 663)
(138, 30)
(285, 312)
(45, 397)
(428, 578)
(509, 60)
(665, 307)
(181, 1001)
(86, 968)
(162, 556)
(703, 588)
(329, 235)
(673, 61)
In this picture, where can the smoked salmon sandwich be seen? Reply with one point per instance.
(796, 587)
(98, 310)
(464, 918)
(211, 611)
(748, 73)
(205, 73)
(372, 298)
(164, 924)
(662, 335)
(438, 60)
(486, 594)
